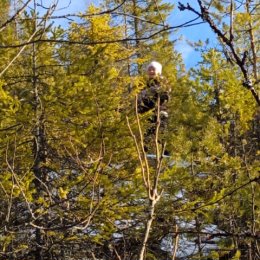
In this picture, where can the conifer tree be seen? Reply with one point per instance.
(75, 182)
(234, 110)
(236, 26)
(212, 134)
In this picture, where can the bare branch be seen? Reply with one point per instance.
(139, 154)
(2, 27)
(18, 54)
(69, 16)
(175, 248)
(231, 35)
(252, 43)
(256, 179)
(43, 21)
(240, 61)
(128, 39)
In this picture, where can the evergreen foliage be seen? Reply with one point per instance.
(75, 182)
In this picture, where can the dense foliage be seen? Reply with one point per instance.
(75, 181)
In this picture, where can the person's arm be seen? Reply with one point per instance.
(164, 97)
(165, 91)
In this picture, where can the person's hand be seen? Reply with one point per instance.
(163, 114)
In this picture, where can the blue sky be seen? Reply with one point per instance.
(189, 34)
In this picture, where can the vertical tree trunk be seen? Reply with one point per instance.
(136, 33)
(39, 139)
(149, 222)
(252, 43)
(199, 237)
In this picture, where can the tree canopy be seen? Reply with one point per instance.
(76, 181)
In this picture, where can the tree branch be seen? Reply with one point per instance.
(2, 27)
(186, 24)
(204, 15)
(257, 179)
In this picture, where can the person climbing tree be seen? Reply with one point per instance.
(156, 92)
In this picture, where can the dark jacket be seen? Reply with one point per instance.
(148, 98)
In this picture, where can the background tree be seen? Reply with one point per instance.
(236, 26)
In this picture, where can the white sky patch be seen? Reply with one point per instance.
(185, 49)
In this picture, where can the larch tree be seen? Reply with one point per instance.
(75, 181)
(234, 111)
(236, 25)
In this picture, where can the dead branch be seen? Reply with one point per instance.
(43, 21)
(86, 43)
(2, 27)
(240, 61)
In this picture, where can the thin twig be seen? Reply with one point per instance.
(2, 27)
